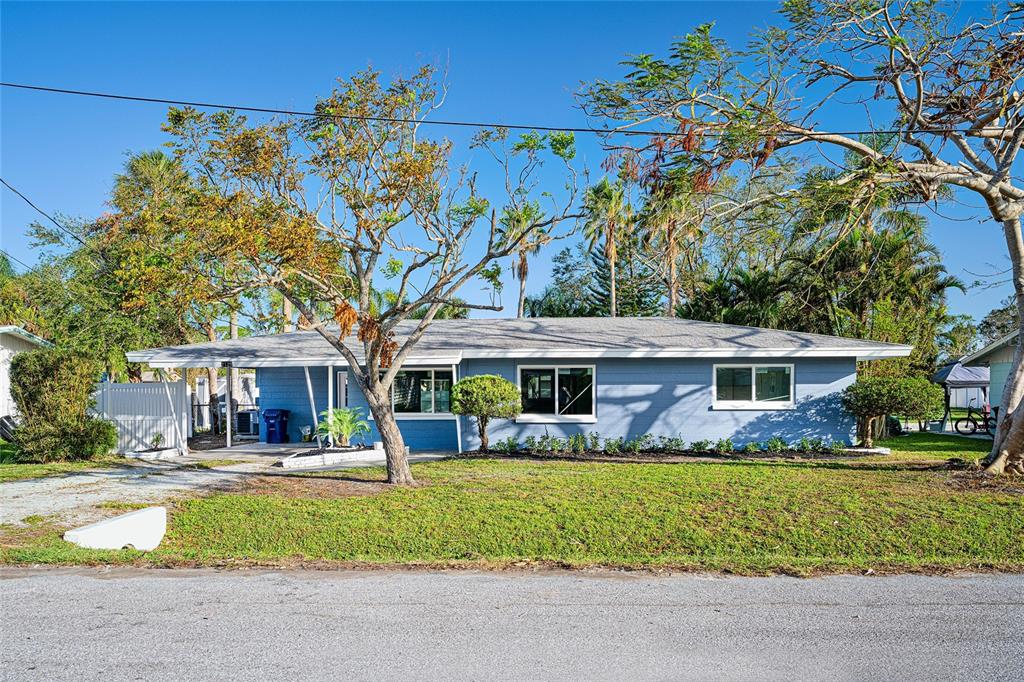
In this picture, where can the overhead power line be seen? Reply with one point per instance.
(435, 122)
(16, 260)
(42, 212)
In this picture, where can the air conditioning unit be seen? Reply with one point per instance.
(248, 422)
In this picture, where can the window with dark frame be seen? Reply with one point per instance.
(422, 391)
(753, 385)
(557, 391)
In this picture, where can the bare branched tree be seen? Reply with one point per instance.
(942, 92)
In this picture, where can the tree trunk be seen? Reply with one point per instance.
(521, 310)
(612, 304)
(1007, 452)
(211, 380)
(867, 433)
(394, 446)
(286, 312)
(673, 287)
(236, 389)
(481, 425)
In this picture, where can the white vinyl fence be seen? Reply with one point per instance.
(140, 411)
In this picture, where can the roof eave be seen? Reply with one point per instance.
(25, 334)
(159, 360)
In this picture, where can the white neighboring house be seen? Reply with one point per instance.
(13, 340)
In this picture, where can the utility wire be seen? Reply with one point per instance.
(42, 212)
(16, 260)
(438, 122)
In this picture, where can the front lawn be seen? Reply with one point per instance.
(749, 517)
(16, 471)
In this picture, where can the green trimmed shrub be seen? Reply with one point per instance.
(774, 445)
(870, 399)
(724, 446)
(485, 397)
(53, 390)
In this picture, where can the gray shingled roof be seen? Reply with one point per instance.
(447, 341)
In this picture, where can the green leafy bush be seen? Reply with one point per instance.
(672, 444)
(53, 390)
(774, 445)
(576, 443)
(486, 397)
(700, 445)
(594, 441)
(613, 446)
(752, 448)
(724, 445)
(507, 445)
(872, 398)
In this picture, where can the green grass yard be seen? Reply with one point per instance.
(747, 517)
(17, 471)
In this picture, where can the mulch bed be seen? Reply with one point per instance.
(667, 457)
(308, 487)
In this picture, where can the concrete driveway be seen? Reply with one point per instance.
(131, 624)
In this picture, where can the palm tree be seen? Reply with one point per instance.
(606, 211)
(669, 226)
(514, 221)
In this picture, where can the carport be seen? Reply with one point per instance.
(954, 375)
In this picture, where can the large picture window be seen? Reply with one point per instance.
(557, 393)
(422, 391)
(753, 386)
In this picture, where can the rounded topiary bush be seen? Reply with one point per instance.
(870, 399)
(486, 397)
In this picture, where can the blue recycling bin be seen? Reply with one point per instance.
(276, 421)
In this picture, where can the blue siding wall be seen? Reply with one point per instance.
(285, 387)
(672, 397)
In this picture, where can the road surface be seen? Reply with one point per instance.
(127, 624)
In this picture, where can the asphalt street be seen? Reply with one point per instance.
(127, 624)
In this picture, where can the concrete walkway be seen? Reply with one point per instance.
(205, 625)
(73, 498)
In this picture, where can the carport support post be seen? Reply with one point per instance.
(227, 411)
(458, 419)
(312, 403)
(330, 400)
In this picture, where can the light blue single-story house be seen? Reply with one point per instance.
(619, 377)
(998, 357)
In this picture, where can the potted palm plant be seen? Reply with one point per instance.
(342, 424)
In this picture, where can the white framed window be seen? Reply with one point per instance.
(422, 391)
(557, 393)
(752, 386)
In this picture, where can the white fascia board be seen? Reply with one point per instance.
(25, 334)
(995, 345)
(156, 361)
(863, 353)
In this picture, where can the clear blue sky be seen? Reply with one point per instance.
(513, 62)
